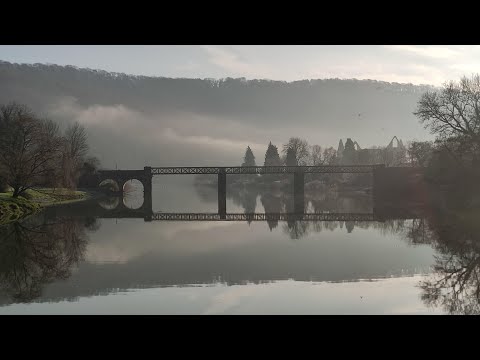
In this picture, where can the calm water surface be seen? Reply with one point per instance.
(86, 265)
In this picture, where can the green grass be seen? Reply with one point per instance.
(32, 200)
(47, 197)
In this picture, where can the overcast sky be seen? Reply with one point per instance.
(394, 63)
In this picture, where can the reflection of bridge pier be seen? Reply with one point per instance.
(222, 193)
(299, 192)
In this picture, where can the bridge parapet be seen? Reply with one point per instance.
(324, 169)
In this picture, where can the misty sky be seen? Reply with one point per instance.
(124, 135)
(393, 63)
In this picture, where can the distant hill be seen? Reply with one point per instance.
(193, 119)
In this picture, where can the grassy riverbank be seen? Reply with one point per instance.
(32, 201)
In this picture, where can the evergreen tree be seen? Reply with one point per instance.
(249, 159)
(291, 159)
(272, 158)
(340, 149)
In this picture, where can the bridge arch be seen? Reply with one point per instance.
(121, 177)
(110, 203)
(110, 183)
(133, 193)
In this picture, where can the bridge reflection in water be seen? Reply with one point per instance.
(264, 217)
(122, 212)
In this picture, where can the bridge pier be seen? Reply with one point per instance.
(222, 193)
(147, 193)
(299, 192)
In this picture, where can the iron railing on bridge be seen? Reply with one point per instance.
(358, 169)
(264, 217)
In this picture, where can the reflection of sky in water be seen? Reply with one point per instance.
(171, 196)
(383, 296)
(157, 261)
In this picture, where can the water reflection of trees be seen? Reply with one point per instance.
(246, 198)
(284, 202)
(454, 284)
(38, 251)
(272, 204)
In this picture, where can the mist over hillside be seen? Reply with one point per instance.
(134, 121)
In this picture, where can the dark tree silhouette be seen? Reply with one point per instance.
(300, 149)
(272, 158)
(29, 147)
(349, 225)
(246, 198)
(291, 158)
(3, 182)
(272, 205)
(249, 158)
(36, 252)
(455, 283)
(454, 110)
(296, 229)
(420, 152)
(453, 115)
(87, 176)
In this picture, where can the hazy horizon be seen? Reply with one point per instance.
(101, 70)
(415, 64)
(136, 121)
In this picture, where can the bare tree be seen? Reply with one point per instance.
(299, 147)
(316, 155)
(74, 150)
(454, 110)
(329, 156)
(28, 147)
